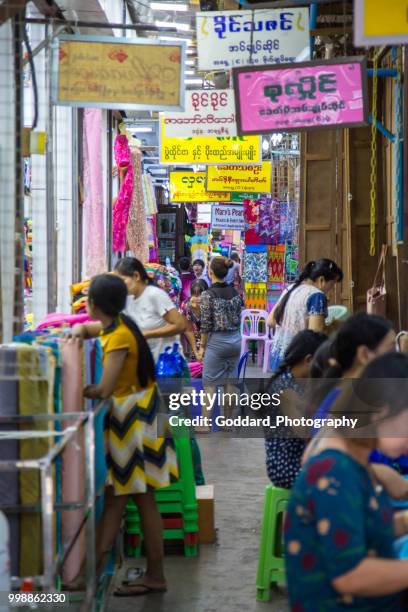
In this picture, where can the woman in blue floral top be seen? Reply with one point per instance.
(339, 528)
(302, 306)
(283, 450)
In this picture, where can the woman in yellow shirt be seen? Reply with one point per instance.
(140, 454)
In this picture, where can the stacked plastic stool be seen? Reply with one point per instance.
(177, 505)
(271, 563)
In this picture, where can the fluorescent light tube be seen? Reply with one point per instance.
(141, 129)
(181, 27)
(168, 6)
(193, 81)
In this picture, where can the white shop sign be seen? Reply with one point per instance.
(227, 217)
(240, 38)
(208, 112)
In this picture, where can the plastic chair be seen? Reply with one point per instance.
(254, 327)
(267, 350)
(271, 563)
(243, 364)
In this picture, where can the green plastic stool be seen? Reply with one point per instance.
(271, 563)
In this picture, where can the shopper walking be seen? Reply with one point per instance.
(302, 306)
(283, 450)
(340, 527)
(187, 276)
(192, 311)
(221, 308)
(140, 455)
(150, 307)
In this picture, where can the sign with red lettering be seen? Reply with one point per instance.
(308, 95)
(227, 217)
(208, 112)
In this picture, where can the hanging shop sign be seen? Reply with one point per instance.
(210, 150)
(380, 22)
(328, 93)
(238, 38)
(190, 187)
(240, 178)
(208, 112)
(109, 72)
(240, 197)
(227, 217)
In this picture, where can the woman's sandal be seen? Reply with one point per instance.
(143, 589)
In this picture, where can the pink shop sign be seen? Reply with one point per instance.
(301, 96)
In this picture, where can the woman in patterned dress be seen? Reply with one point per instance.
(140, 455)
(192, 311)
(340, 526)
(302, 306)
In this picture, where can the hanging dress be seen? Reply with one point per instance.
(124, 199)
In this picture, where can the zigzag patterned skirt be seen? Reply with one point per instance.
(139, 449)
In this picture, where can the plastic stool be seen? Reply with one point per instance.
(271, 563)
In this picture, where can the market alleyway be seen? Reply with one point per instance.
(222, 577)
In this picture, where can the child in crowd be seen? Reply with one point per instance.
(340, 528)
(192, 312)
(187, 276)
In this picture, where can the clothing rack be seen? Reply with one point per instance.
(52, 565)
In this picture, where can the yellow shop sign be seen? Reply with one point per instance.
(249, 179)
(380, 22)
(210, 150)
(190, 187)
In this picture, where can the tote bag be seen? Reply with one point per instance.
(377, 294)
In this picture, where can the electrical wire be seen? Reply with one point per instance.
(33, 75)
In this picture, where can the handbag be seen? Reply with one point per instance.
(377, 294)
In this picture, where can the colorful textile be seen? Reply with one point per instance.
(136, 231)
(251, 217)
(255, 296)
(336, 517)
(276, 263)
(194, 318)
(291, 262)
(288, 221)
(93, 206)
(256, 267)
(256, 248)
(273, 293)
(221, 308)
(269, 220)
(124, 199)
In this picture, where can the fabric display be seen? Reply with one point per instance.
(191, 209)
(123, 202)
(255, 296)
(288, 222)
(149, 195)
(136, 231)
(256, 248)
(79, 297)
(28, 256)
(269, 220)
(165, 279)
(256, 267)
(291, 262)
(251, 218)
(276, 263)
(152, 239)
(273, 293)
(199, 244)
(93, 205)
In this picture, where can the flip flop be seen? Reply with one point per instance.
(146, 591)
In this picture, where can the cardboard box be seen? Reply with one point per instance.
(206, 523)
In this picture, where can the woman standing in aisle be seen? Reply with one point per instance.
(140, 456)
(150, 307)
(340, 526)
(302, 306)
(221, 308)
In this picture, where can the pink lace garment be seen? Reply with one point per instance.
(94, 234)
(124, 199)
(136, 232)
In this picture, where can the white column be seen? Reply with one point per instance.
(7, 177)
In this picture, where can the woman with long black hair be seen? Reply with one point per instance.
(302, 306)
(140, 455)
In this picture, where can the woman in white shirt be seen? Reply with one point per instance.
(150, 307)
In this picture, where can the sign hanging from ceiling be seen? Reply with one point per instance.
(251, 179)
(308, 95)
(227, 217)
(210, 150)
(208, 112)
(380, 22)
(190, 187)
(238, 38)
(109, 72)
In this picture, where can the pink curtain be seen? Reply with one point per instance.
(94, 226)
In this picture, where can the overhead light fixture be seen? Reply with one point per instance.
(190, 72)
(193, 81)
(181, 27)
(265, 145)
(190, 62)
(141, 129)
(168, 6)
(176, 39)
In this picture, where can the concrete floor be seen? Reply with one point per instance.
(222, 577)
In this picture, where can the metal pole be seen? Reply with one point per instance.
(50, 195)
(89, 442)
(109, 191)
(47, 499)
(147, 27)
(75, 204)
